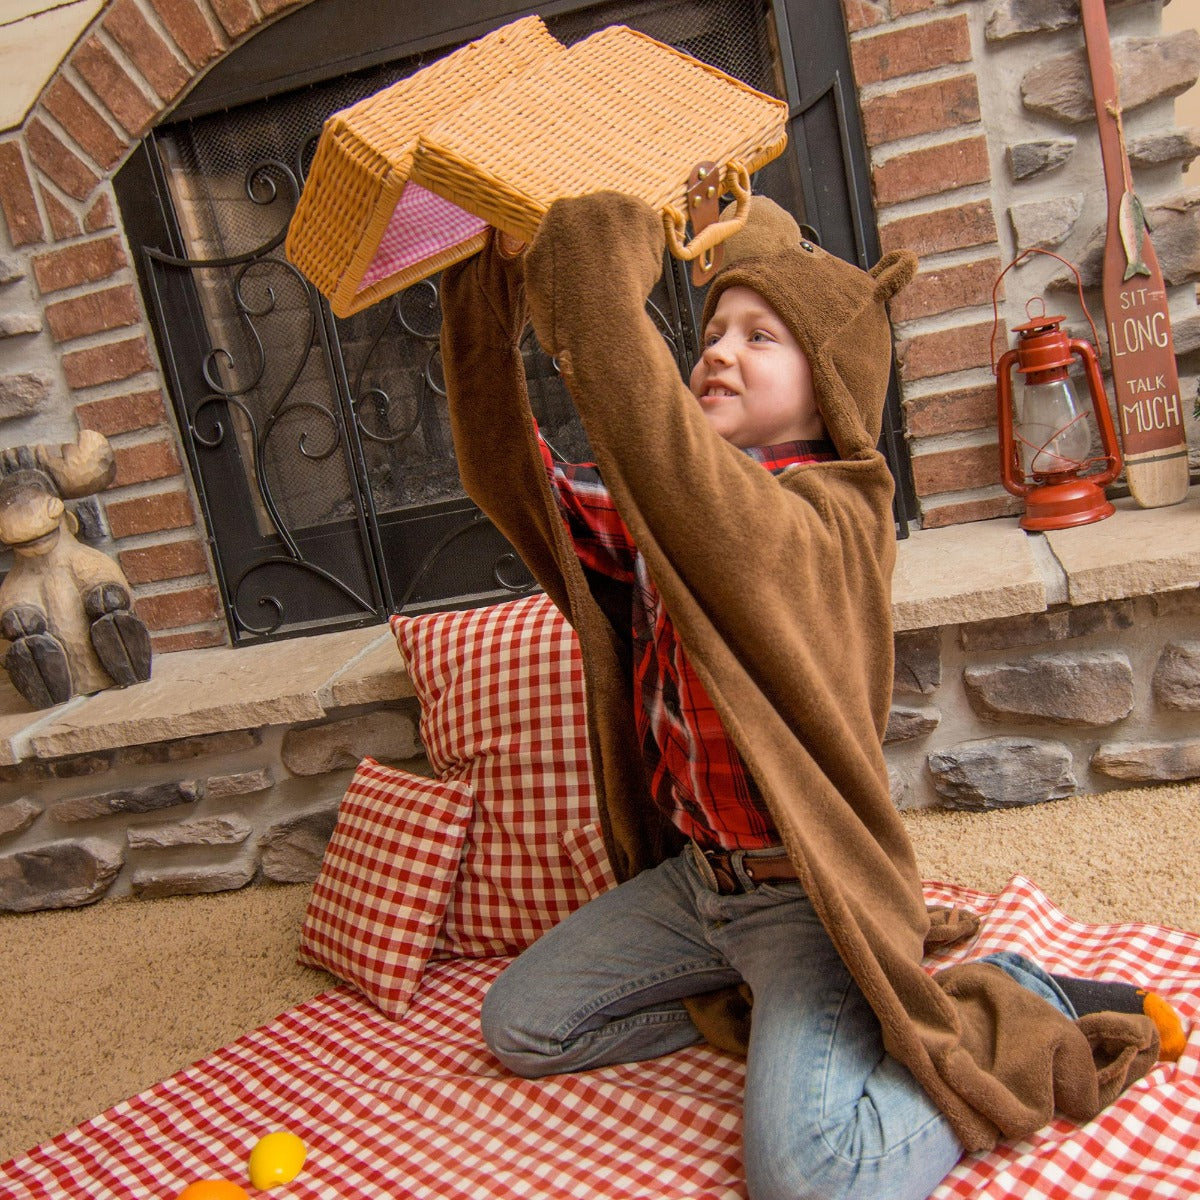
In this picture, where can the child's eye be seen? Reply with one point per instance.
(761, 335)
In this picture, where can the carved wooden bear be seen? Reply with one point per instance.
(65, 607)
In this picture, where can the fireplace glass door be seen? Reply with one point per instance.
(319, 447)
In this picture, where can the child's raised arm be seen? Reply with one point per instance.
(679, 485)
(499, 461)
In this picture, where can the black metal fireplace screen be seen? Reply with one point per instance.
(319, 447)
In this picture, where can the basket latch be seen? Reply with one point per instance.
(704, 208)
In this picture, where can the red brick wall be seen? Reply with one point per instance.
(947, 175)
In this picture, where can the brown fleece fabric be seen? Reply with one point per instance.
(780, 590)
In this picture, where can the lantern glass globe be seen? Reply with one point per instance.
(1051, 429)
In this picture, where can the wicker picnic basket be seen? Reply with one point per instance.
(361, 231)
(617, 110)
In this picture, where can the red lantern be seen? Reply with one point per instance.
(1045, 440)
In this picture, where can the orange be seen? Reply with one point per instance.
(213, 1189)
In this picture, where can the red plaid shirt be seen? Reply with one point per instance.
(697, 776)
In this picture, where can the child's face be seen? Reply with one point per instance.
(753, 381)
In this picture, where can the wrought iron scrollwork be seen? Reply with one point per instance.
(261, 189)
(422, 298)
(415, 316)
(272, 601)
(501, 563)
(236, 380)
(508, 559)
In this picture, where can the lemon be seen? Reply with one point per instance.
(276, 1158)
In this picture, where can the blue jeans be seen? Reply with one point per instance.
(827, 1112)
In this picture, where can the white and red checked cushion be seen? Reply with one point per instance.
(388, 873)
(585, 849)
(502, 710)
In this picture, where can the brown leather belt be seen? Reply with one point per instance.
(759, 868)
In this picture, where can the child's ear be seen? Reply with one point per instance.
(892, 272)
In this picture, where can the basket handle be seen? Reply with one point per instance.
(737, 181)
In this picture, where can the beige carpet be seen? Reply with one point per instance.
(99, 1003)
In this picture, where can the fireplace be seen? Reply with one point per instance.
(318, 447)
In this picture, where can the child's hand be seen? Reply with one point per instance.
(508, 245)
(605, 244)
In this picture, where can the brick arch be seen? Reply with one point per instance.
(127, 70)
(133, 63)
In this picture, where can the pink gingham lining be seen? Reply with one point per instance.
(422, 225)
(417, 1107)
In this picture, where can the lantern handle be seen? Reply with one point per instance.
(1011, 475)
(996, 302)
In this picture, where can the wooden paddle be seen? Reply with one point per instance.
(1145, 376)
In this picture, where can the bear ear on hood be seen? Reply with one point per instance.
(893, 272)
(768, 229)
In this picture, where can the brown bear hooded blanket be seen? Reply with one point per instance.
(780, 590)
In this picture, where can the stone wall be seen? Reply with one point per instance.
(986, 714)
(1028, 709)
(188, 815)
(983, 144)
(973, 157)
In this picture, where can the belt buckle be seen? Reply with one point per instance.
(728, 884)
(716, 875)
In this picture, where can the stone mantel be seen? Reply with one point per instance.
(951, 576)
(197, 692)
(991, 569)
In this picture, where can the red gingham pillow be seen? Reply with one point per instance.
(388, 872)
(502, 710)
(585, 848)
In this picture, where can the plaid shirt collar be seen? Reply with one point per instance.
(786, 454)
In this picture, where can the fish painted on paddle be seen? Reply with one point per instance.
(1132, 223)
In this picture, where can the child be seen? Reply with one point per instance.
(735, 628)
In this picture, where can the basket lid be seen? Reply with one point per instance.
(618, 110)
(361, 231)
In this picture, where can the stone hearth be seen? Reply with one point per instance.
(1028, 667)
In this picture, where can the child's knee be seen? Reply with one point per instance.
(777, 1170)
(850, 1159)
(786, 1177)
(494, 1019)
(504, 1021)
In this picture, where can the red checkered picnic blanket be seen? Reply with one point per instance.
(418, 1108)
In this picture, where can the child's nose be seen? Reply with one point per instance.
(718, 351)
